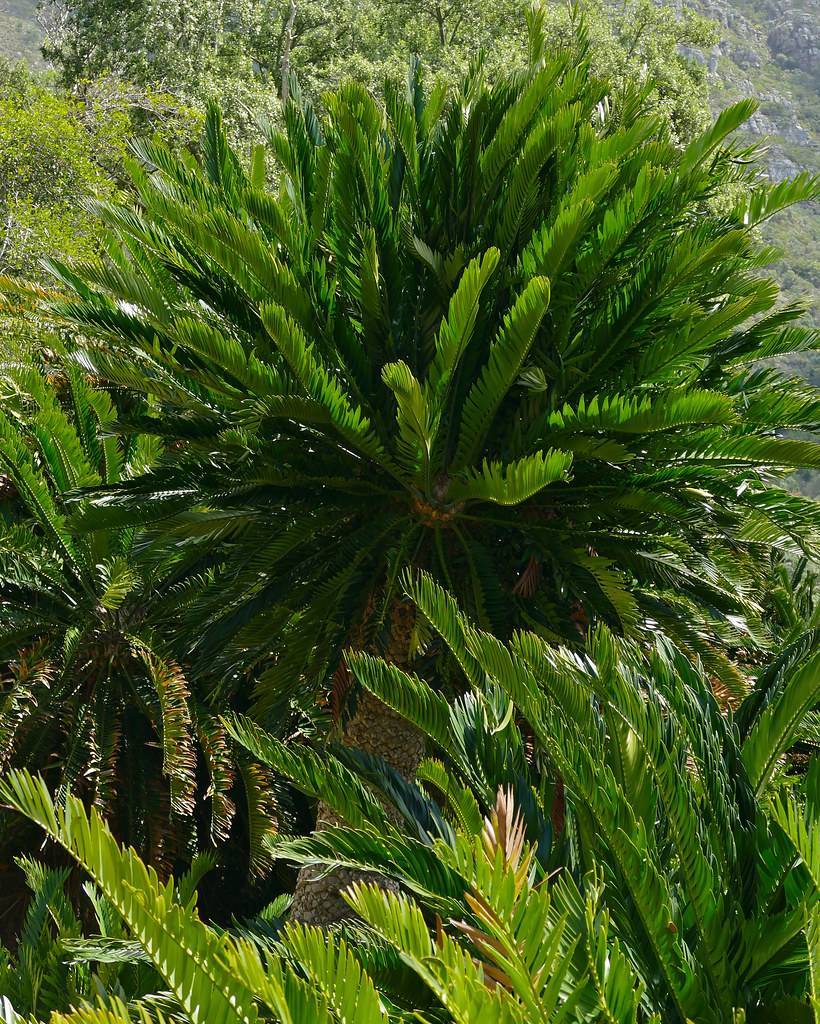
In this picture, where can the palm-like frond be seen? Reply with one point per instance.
(184, 951)
(515, 326)
(510, 950)
(89, 619)
(662, 795)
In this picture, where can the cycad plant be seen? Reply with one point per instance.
(92, 693)
(498, 333)
(792, 598)
(706, 846)
(56, 964)
(512, 951)
(688, 889)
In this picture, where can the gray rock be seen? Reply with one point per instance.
(760, 124)
(796, 134)
(793, 41)
(780, 166)
(692, 53)
(745, 57)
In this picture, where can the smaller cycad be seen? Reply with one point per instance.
(514, 952)
(92, 690)
(707, 850)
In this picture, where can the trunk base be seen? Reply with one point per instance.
(375, 729)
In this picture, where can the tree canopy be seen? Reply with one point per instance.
(244, 51)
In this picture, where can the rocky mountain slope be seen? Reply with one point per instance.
(19, 32)
(770, 49)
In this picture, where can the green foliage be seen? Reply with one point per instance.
(89, 675)
(54, 154)
(503, 338)
(520, 346)
(245, 51)
(55, 966)
(687, 892)
(649, 43)
(185, 51)
(695, 846)
(792, 598)
(512, 956)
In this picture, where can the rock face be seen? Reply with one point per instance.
(770, 50)
(793, 41)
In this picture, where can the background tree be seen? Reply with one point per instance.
(189, 50)
(54, 154)
(641, 41)
(243, 51)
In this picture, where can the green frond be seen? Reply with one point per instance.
(457, 798)
(442, 610)
(117, 578)
(803, 830)
(17, 463)
(813, 944)
(350, 421)
(213, 741)
(620, 414)
(316, 773)
(334, 970)
(409, 695)
(413, 416)
(198, 979)
(260, 808)
(451, 974)
(179, 758)
(414, 864)
(515, 482)
(456, 329)
(507, 354)
(728, 121)
(103, 950)
(618, 994)
(115, 1012)
(516, 121)
(775, 728)
(763, 203)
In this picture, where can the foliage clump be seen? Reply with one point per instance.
(448, 413)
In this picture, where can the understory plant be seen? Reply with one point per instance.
(682, 885)
(517, 952)
(71, 951)
(704, 838)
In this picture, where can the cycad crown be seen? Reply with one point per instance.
(92, 691)
(499, 333)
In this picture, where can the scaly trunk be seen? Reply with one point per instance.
(378, 730)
